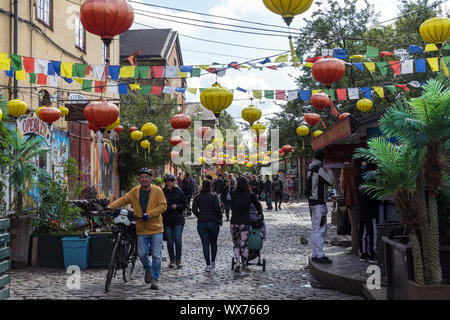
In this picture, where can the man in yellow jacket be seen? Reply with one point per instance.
(150, 229)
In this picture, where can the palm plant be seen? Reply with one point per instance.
(423, 125)
(22, 169)
(396, 175)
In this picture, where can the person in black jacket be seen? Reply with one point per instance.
(218, 184)
(241, 200)
(225, 197)
(368, 215)
(206, 207)
(268, 192)
(187, 185)
(277, 188)
(173, 219)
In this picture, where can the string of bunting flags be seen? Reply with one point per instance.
(40, 70)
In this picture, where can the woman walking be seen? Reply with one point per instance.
(206, 207)
(173, 219)
(241, 200)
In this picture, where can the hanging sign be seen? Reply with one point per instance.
(34, 125)
(338, 131)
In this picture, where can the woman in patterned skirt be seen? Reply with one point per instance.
(240, 223)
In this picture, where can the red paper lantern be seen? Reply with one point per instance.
(328, 70)
(175, 140)
(93, 126)
(286, 148)
(118, 129)
(180, 121)
(342, 116)
(320, 100)
(106, 18)
(102, 112)
(203, 132)
(49, 114)
(312, 119)
(132, 129)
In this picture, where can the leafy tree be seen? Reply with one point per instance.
(131, 155)
(346, 26)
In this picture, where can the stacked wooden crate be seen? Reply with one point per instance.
(5, 262)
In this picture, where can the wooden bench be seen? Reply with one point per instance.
(5, 262)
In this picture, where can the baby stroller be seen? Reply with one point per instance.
(255, 241)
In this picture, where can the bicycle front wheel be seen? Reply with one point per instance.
(112, 265)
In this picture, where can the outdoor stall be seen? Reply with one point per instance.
(340, 142)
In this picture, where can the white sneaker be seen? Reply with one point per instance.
(208, 269)
(213, 265)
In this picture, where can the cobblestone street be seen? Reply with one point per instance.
(286, 276)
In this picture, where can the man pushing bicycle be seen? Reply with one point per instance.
(149, 226)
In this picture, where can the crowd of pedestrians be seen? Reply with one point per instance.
(164, 210)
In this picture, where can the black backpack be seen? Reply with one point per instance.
(311, 171)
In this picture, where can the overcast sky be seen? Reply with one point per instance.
(252, 10)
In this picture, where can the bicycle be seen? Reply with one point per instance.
(124, 251)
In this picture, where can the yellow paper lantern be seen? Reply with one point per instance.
(16, 108)
(259, 128)
(136, 135)
(149, 129)
(288, 8)
(216, 98)
(302, 130)
(317, 133)
(64, 111)
(364, 105)
(113, 125)
(251, 114)
(145, 144)
(159, 138)
(209, 147)
(435, 30)
(249, 164)
(241, 148)
(37, 111)
(253, 157)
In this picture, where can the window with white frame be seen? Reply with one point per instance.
(80, 34)
(44, 11)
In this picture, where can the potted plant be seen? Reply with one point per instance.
(53, 218)
(22, 172)
(412, 171)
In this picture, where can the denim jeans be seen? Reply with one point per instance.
(154, 243)
(209, 231)
(227, 204)
(269, 200)
(173, 237)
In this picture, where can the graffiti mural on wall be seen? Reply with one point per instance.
(107, 177)
(60, 151)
